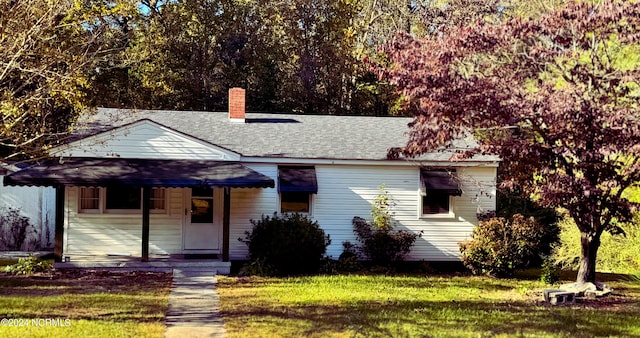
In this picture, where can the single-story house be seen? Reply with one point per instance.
(149, 183)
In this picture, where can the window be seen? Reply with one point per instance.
(295, 202)
(202, 205)
(296, 184)
(90, 199)
(124, 198)
(157, 199)
(437, 187)
(119, 199)
(435, 202)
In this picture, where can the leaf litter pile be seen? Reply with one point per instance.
(83, 281)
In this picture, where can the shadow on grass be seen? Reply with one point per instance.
(400, 281)
(452, 282)
(86, 294)
(427, 318)
(381, 313)
(570, 276)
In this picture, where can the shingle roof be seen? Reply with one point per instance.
(273, 135)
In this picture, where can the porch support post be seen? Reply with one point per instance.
(59, 226)
(146, 200)
(226, 219)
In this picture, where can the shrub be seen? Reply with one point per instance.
(348, 260)
(499, 246)
(511, 203)
(29, 265)
(286, 244)
(381, 210)
(550, 271)
(257, 267)
(378, 241)
(382, 246)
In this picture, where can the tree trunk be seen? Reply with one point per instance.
(590, 242)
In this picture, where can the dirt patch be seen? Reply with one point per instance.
(612, 302)
(618, 301)
(83, 281)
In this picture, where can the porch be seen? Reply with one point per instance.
(145, 175)
(155, 263)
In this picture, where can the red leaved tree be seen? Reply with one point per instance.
(556, 97)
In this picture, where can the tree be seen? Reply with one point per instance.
(46, 50)
(111, 83)
(290, 56)
(186, 55)
(379, 20)
(556, 96)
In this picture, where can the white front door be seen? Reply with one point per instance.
(201, 227)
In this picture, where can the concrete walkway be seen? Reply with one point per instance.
(194, 305)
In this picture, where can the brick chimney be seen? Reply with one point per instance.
(236, 105)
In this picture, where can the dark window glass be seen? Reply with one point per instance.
(435, 202)
(202, 205)
(294, 202)
(123, 198)
(202, 192)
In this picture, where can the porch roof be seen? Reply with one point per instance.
(106, 172)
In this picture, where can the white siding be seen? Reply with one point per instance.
(100, 234)
(144, 139)
(344, 191)
(349, 190)
(247, 204)
(440, 238)
(36, 203)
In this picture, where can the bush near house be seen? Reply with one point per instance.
(520, 234)
(510, 203)
(382, 246)
(499, 246)
(379, 243)
(286, 244)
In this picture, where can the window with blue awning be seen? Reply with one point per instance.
(296, 184)
(297, 179)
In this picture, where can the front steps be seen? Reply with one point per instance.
(163, 263)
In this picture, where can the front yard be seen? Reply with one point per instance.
(84, 304)
(134, 304)
(419, 306)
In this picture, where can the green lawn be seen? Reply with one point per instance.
(419, 306)
(127, 304)
(96, 304)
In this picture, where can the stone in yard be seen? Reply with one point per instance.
(568, 292)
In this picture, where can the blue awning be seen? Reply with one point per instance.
(104, 172)
(297, 179)
(441, 180)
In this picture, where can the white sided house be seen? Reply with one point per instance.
(153, 184)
